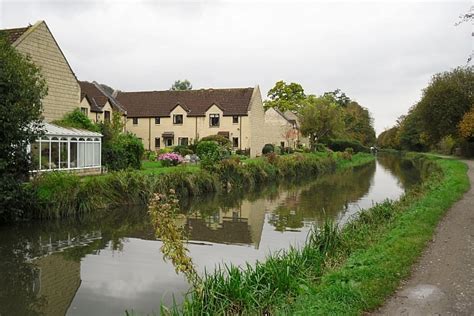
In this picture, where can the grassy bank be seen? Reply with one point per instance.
(339, 271)
(62, 194)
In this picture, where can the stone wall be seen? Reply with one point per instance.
(63, 88)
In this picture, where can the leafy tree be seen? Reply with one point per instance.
(389, 138)
(22, 88)
(466, 126)
(320, 118)
(359, 123)
(411, 133)
(339, 97)
(285, 97)
(181, 85)
(445, 101)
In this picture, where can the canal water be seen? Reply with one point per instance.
(109, 264)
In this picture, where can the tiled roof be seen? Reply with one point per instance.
(13, 34)
(94, 95)
(196, 102)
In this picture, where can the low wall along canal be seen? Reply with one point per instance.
(105, 266)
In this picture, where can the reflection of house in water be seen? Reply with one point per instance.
(238, 225)
(57, 277)
(57, 283)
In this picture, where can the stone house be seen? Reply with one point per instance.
(282, 129)
(169, 118)
(60, 148)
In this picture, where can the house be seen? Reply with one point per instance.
(97, 104)
(60, 148)
(169, 118)
(282, 129)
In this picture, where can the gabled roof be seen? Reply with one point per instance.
(160, 103)
(13, 34)
(17, 35)
(96, 96)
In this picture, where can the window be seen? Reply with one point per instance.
(183, 141)
(235, 141)
(157, 142)
(235, 119)
(107, 116)
(84, 111)
(135, 120)
(169, 142)
(282, 144)
(178, 119)
(214, 120)
(157, 121)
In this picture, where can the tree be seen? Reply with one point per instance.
(467, 17)
(389, 138)
(339, 97)
(285, 97)
(320, 118)
(21, 90)
(445, 101)
(359, 123)
(411, 133)
(466, 126)
(183, 85)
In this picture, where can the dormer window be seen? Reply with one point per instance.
(214, 120)
(178, 119)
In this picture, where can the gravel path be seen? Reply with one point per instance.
(442, 282)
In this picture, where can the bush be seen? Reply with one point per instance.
(221, 140)
(150, 155)
(183, 150)
(165, 150)
(170, 159)
(125, 151)
(320, 147)
(446, 145)
(77, 119)
(268, 148)
(243, 152)
(209, 153)
(342, 144)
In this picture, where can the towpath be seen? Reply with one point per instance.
(442, 281)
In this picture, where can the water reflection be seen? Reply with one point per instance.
(102, 266)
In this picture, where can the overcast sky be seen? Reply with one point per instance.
(379, 53)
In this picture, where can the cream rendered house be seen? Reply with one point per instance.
(282, 129)
(60, 148)
(97, 104)
(169, 118)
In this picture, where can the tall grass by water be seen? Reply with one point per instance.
(339, 271)
(62, 194)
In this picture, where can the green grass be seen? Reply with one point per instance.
(339, 272)
(156, 167)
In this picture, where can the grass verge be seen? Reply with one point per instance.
(339, 271)
(65, 195)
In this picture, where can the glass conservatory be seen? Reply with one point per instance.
(66, 149)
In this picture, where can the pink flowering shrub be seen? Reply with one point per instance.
(170, 159)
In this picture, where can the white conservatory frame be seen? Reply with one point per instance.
(66, 149)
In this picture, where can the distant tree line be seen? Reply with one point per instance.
(324, 118)
(443, 120)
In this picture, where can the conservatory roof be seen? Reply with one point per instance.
(54, 130)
